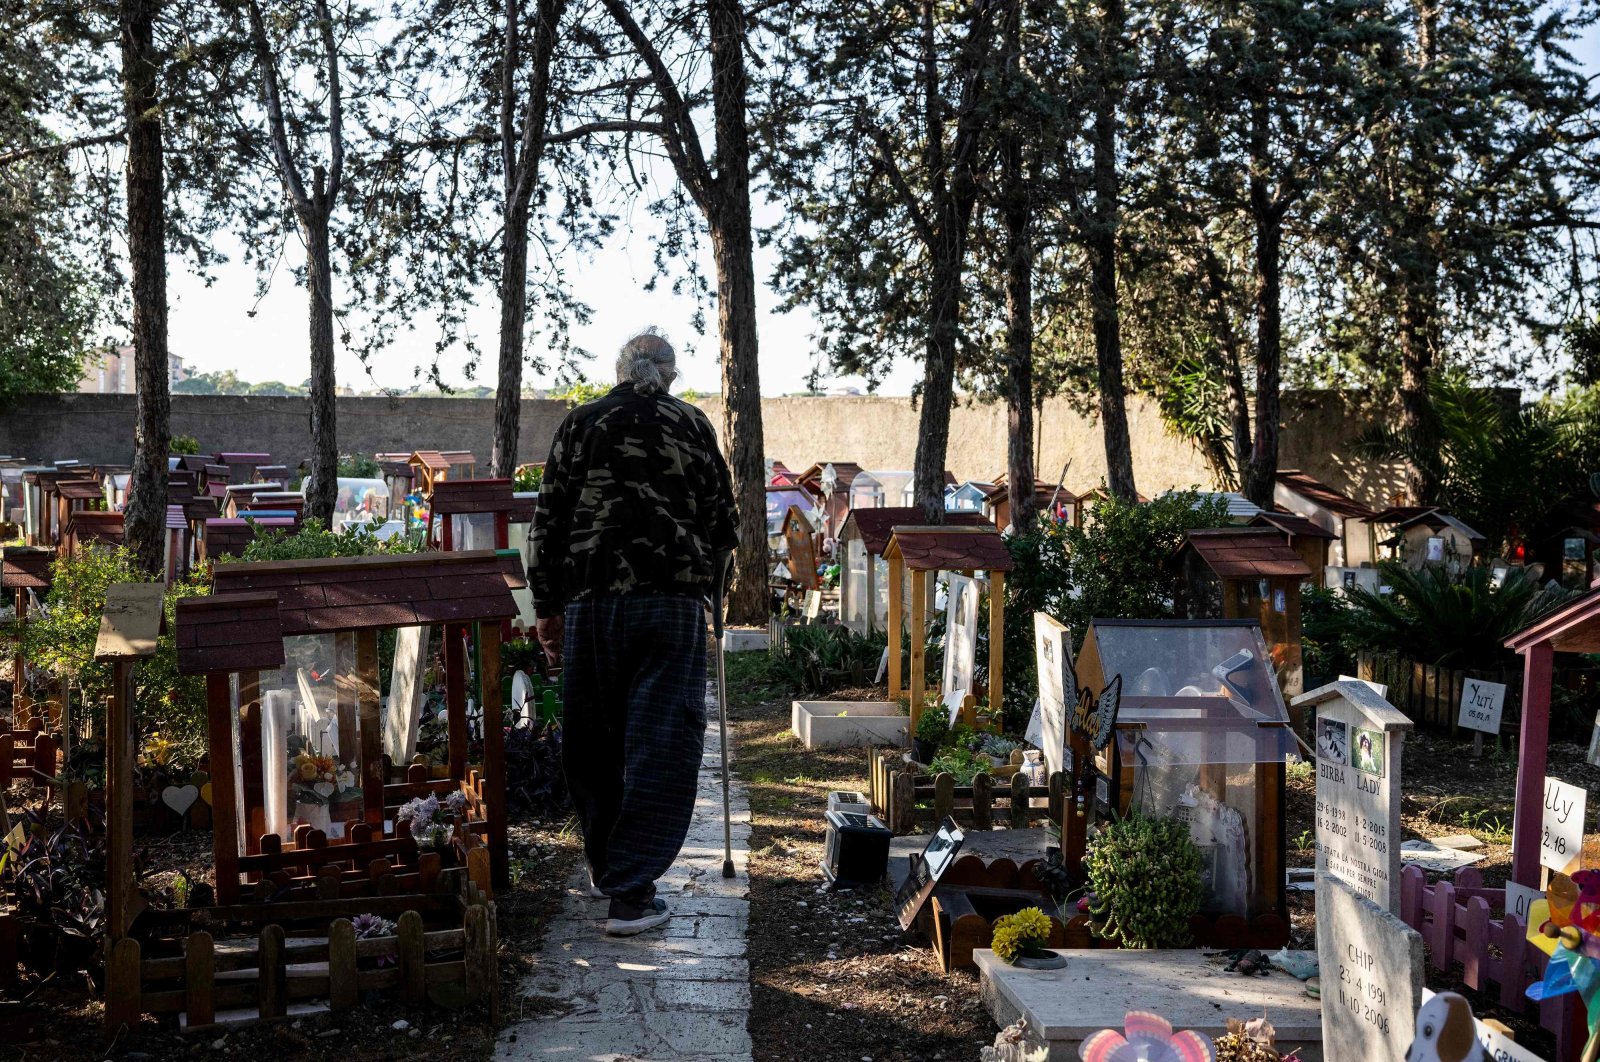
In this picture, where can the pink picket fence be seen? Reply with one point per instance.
(1457, 923)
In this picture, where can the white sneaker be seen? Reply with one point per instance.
(627, 919)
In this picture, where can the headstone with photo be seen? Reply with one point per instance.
(1359, 737)
(960, 633)
(1370, 966)
(1052, 649)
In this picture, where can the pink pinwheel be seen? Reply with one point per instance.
(1146, 1037)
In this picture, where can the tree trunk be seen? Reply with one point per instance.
(733, 249)
(520, 174)
(1103, 255)
(145, 519)
(1262, 473)
(1418, 269)
(938, 372)
(324, 431)
(1019, 342)
(513, 323)
(1228, 366)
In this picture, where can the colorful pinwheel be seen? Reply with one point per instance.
(1146, 1037)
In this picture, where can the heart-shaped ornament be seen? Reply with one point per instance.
(205, 792)
(180, 798)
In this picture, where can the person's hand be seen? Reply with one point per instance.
(550, 631)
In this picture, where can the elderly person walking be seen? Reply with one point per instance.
(635, 516)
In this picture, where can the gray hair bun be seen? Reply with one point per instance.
(648, 362)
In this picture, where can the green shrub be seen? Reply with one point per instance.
(963, 764)
(528, 480)
(314, 540)
(183, 444)
(818, 660)
(61, 638)
(1144, 882)
(359, 466)
(933, 725)
(1114, 566)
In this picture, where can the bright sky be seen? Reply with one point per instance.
(209, 327)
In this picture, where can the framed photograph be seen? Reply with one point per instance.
(1367, 752)
(1333, 741)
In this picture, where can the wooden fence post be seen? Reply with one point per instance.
(271, 974)
(983, 802)
(123, 1004)
(413, 969)
(1020, 791)
(944, 796)
(479, 953)
(199, 979)
(342, 964)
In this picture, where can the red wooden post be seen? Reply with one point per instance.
(494, 753)
(1476, 949)
(224, 799)
(1533, 745)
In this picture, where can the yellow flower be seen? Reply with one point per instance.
(308, 771)
(1017, 933)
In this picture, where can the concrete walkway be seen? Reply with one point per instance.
(681, 992)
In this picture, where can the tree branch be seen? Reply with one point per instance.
(335, 105)
(897, 179)
(681, 140)
(22, 154)
(618, 125)
(266, 63)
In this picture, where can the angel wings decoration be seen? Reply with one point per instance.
(1095, 717)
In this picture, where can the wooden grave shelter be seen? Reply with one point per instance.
(178, 553)
(47, 516)
(242, 466)
(1201, 733)
(463, 465)
(1352, 523)
(472, 514)
(1247, 573)
(399, 475)
(863, 569)
(24, 575)
(87, 526)
(271, 474)
(925, 551)
(1311, 540)
(1088, 499)
(830, 483)
(217, 481)
(236, 496)
(429, 469)
(800, 539)
(247, 635)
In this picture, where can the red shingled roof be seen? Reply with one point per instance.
(229, 537)
(1246, 552)
(1324, 495)
(951, 548)
(430, 459)
(89, 526)
(847, 471)
(875, 525)
(356, 593)
(175, 519)
(80, 489)
(26, 567)
(243, 459)
(229, 632)
(1293, 525)
(472, 496)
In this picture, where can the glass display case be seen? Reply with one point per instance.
(878, 490)
(360, 502)
(1202, 735)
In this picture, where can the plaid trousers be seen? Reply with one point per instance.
(633, 732)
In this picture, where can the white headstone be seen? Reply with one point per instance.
(1481, 705)
(1370, 966)
(400, 722)
(1561, 826)
(1359, 736)
(960, 633)
(1052, 650)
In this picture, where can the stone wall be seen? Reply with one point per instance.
(874, 432)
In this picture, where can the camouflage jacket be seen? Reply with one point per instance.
(636, 499)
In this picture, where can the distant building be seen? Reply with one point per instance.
(111, 373)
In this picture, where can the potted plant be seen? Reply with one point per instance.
(999, 749)
(433, 821)
(347, 803)
(932, 730)
(1020, 939)
(312, 782)
(1144, 882)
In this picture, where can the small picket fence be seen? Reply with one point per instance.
(1494, 955)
